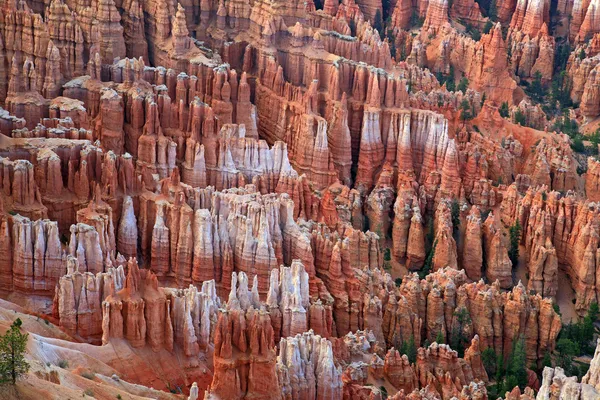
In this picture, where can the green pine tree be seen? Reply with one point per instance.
(458, 341)
(509, 383)
(503, 110)
(463, 85)
(392, 42)
(409, 347)
(520, 118)
(428, 262)
(387, 9)
(489, 360)
(493, 11)
(500, 371)
(488, 26)
(439, 339)
(536, 88)
(455, 214)
(352, 26)
(517, 365)
(378, 23)
(465, 107)
(515, 238)
(547, 360)
(12, 350)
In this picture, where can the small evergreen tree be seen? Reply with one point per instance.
(430, 236)
(561, 57)
(386, 7)
(428, 262)
(560, 91)
(465, 113)
(587, 329)
(567, 125)
(499, 369)
(352, 26)
(439, 338)
(450, 85)
(576, 339)
(387, 254)
(489, 360)
(520, 118)
(463, 84)
(556, 308)
(12, 350)
(409, 347)
(384, 393)
(392, 42)
(488, 26)
(493, 11)
(458, 341)
(515, 238)
(566, 350)
(509, 383)
(578, 145)
(483, 98)
(378, 22)
(387, 258)
(402, 55)
(581, 333)
(503, 110)
(517, 365)
(594, 311)
(547, 360)
(455, 214)
(536, 89)
(415, 20)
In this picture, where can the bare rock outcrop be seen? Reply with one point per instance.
(306, 367)
(426, 308)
